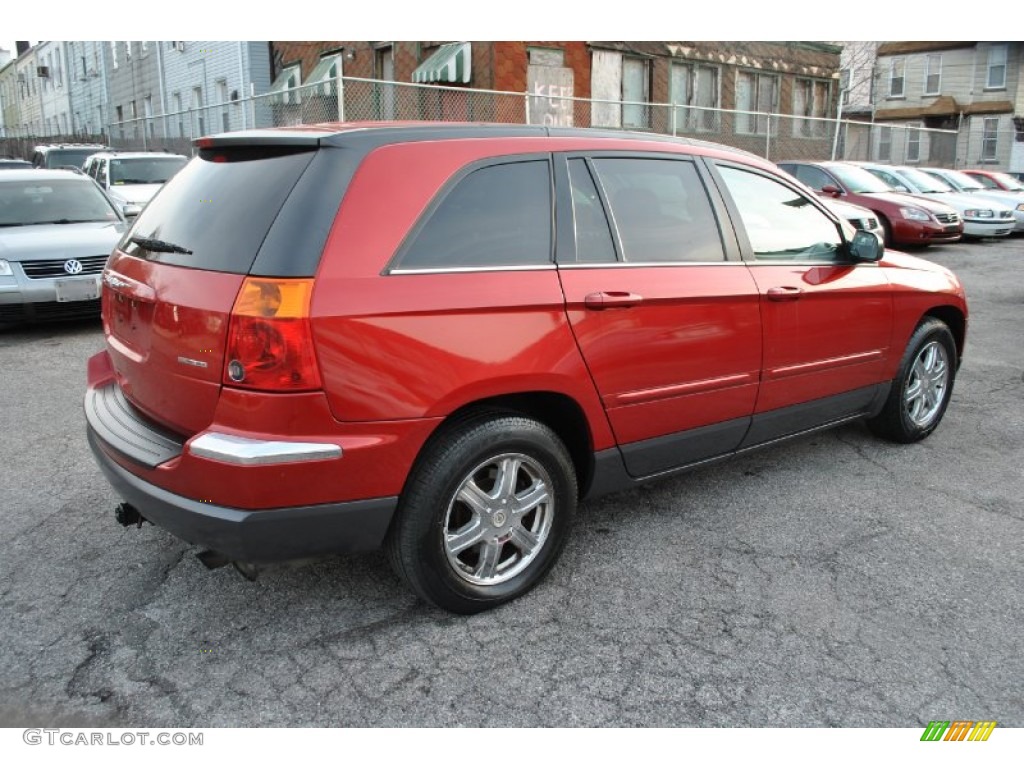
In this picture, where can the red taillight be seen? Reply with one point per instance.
(270, 342)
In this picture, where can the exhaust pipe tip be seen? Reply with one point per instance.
(127, 515)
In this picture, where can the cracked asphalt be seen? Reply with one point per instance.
(833, 581)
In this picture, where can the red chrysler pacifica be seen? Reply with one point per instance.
(440, 338)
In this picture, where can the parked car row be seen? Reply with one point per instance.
(917, 206)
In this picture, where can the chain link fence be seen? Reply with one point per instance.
(773, 136)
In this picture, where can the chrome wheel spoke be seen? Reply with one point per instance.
(473, 497)
(533, 496)
(525, 541)
(468, 535)
(505, 478)
(487, 565)
(914, 391)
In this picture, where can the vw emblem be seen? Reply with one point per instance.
(72, 266)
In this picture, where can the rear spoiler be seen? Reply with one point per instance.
(259, 138)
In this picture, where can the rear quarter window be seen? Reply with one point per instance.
(495, 216)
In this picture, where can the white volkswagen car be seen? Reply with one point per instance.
(982, 217)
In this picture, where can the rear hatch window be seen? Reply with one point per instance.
(218, 209)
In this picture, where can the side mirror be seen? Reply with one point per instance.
(131, 210)
(832, 189)
(866, 246)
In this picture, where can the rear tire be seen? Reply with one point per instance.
(484, 514)
(921, 390)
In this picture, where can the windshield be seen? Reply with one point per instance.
(857, 180)
(921, 181)
(57, 201)
(961, 181)
(144, 170)
(1008, 181)
(58, 158)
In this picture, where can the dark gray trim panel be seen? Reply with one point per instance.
(295, 241)
(782, 422)
(261, 536)
(610, 474)
(648, 457)
(124, 429)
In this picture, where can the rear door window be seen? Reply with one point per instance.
(495, 216)
(661, 210)
(220, 207)
(593, 235)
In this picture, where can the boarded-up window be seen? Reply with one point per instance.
(755, 92)
(635, 93)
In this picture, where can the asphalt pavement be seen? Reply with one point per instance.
(836, 580)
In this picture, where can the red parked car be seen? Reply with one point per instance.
(440, 338)
(908, 220)
(996, 180)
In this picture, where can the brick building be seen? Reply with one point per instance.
(695, 84)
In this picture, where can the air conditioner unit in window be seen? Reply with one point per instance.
(42, 72)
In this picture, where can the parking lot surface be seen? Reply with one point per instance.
(835, 580)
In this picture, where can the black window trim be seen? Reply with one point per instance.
(566, 250)
(747, 250)
(393, 267)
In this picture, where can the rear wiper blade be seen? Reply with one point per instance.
(159, 245)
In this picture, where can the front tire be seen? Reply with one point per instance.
(922, 389)
(485, 513)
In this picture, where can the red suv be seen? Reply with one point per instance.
(440, 338)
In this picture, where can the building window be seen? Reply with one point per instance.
(127, 50)
(996, 67)
(695, 89)
(180, 113)
(197, 104)
(636, 81)
(755, 92)
(546, 57)
(932, 74)
(913, 142)
(897, 81)
(990, 139)
(810, 100)
(113, 52)
(222, 99)
(884, 143)
(147, 110)
(845, 78)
